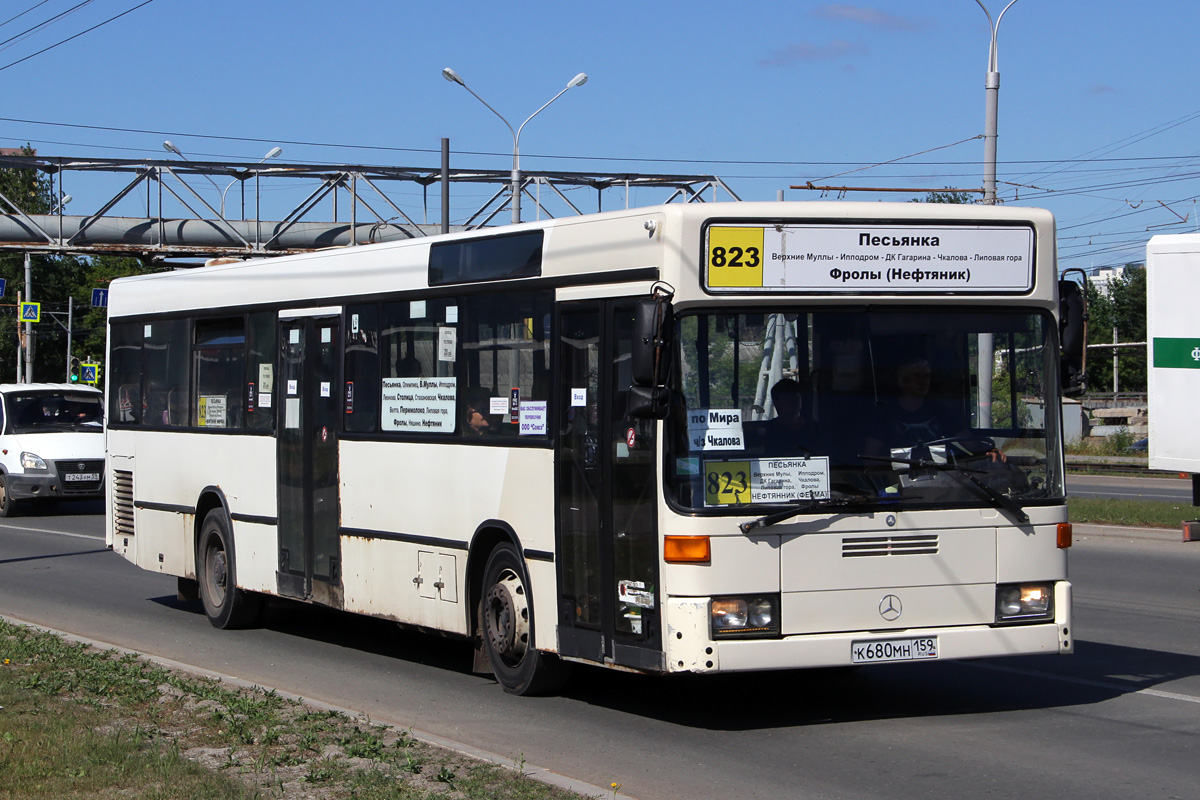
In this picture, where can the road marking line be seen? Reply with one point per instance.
(1123, 688)
(25, 529)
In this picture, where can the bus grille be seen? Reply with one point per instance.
(122, 493)
(919, 544)
(80, 477)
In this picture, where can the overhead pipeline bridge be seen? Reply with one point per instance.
(158, 209)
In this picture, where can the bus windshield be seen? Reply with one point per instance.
(913, 407)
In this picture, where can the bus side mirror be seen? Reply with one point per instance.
(1072, 329)
(653, 329)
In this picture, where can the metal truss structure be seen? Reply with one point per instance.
(158, 212)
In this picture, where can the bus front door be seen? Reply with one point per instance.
(306, 425)
(607, 493)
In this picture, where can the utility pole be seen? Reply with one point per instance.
(70, 325)
(28, 325)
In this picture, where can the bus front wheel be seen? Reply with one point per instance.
(506, 622)
(225, 604)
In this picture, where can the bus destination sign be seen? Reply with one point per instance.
(889, 258)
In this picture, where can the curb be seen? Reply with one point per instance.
(1082, 529)
(537, 773)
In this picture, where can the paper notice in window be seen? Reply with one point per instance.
(533, 418)
(447, 339)
(424, 405)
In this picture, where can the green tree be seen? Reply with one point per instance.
(1122, 306)
(948, 196)
(57, 282)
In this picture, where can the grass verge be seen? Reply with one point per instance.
(1138, 513)
(77, 722)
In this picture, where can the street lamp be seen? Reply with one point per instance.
(986, 344)
(993, 108)
(173, 149)
(274, 152)
(62, 204)
(578, 80)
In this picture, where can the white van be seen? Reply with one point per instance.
(51, 443)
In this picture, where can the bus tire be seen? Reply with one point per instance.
(506, 626)
(225, 604)
(8, 506)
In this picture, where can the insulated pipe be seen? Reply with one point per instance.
(143, 233)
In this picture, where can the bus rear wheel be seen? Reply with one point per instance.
(225, 604)
(506, 626)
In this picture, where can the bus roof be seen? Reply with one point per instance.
(631, 241)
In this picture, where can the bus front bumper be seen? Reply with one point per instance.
(690, 648)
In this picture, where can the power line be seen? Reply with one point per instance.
(23, 13)
(28, 31)
(392, 148)
(76, 36)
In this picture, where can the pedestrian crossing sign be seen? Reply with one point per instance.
(31, 312)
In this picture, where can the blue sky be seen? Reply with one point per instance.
(1098, 112)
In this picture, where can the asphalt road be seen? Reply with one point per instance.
(1119, 719)
(1170, 489)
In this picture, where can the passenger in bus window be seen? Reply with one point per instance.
(408, 367)
(475, 417)
(790, 432)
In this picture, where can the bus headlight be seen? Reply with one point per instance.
(744, 616)
(32, 461)
(1024, 602)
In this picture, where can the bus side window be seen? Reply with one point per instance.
(129, 403)
(177, 406)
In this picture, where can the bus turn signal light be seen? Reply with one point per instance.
(1064, 535)
(687, 549)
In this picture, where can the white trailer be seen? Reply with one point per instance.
(1173, 336)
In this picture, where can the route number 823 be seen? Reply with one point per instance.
(727, 487)
(735, 257)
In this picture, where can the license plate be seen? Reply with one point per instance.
(877, 652)
(81, 476)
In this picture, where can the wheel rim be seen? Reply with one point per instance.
(216, 571)
(3, 494)
(506, 618)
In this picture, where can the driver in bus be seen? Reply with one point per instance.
(912, 418)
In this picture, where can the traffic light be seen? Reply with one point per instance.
(75, 367)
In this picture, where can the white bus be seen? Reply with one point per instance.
(689, 438)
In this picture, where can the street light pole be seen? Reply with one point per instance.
(275, 151)
(987, 366)
(991, 114)
(578, 80)
(173, 149)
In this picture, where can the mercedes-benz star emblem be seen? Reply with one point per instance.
(890, 608)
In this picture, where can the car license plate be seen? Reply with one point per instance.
(81, 476)
(876, 652)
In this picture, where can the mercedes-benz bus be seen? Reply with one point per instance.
(691, 438)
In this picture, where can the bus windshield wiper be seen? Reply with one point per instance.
(998, 498)
(801, 506)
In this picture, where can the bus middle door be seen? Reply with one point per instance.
(607, 494)
(309, 551)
